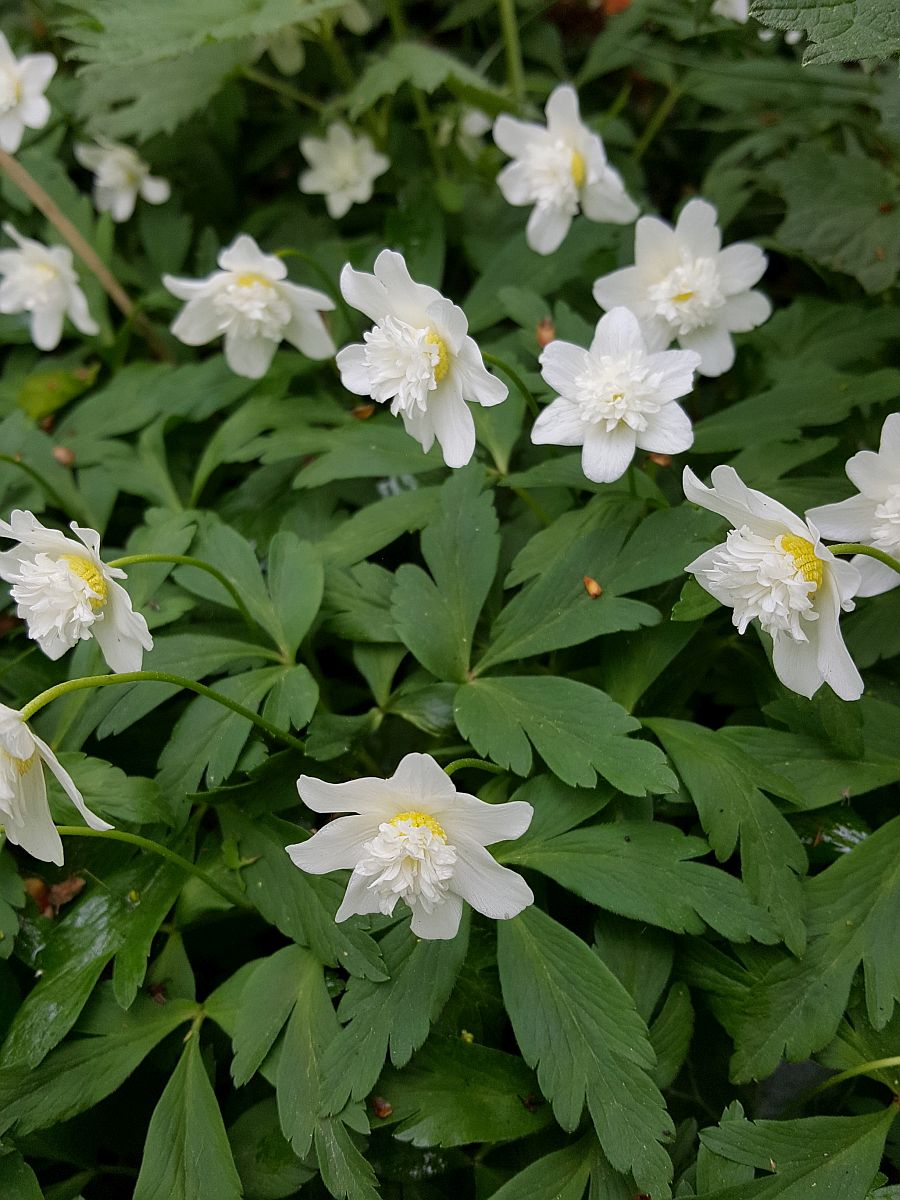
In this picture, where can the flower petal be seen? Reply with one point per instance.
(419, 777)
(562, 363)
(35, 831)
(697, 227)
(668, 431)
(514, 137)
(46, 327)
(835, 662)
(742, 313)
(407, 300)
(491, 889)
(563, 115)
(479, 386)
(514, 182)
(198, 322)
(155, 190)
(245, 255)
(359, 899)
(337, 846)
(453, 424)
(441, 924)
(559, 424)
(740, 505)
(368, 795)
(606, 456)
(877, 577)
(122, 635)
(740, 266)
(623, 287)
(67, 783)
(657, 250)
(618, 333)
(547, 228)
(607, 200)
(351, 362)
(714, 345)
(467, 816)
(364, 292)
(874, 474)
(249, 356)
(848, 521)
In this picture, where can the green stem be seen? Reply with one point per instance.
(52, 494)
(866, 1068)
(396, 19)
(186, 560)
(282, 88)
(133, 839)
(340, 64)
(870, 551)
(478, 763)
(526, 497)
(191, 685)
(515, 73)
(656, 122)
(516, 379)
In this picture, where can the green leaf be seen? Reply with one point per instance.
(423, 67)
(357, 603)
(12, 897)
(17, 1180)
(454, 1093)
(578, 1026)
(265, 1005)
(345, 1172)
(293, 700)
(578, 731)
(639, 956)
(562, 1175)
(835, 1158)
(838, 30)
(722, 783)
(436, 617)
(694, 603)
(366, 450)
(394, 1016)
(670, 1034)
(267, 1165)
(187, 1155)
(372, 528)
(115, 796)
(296, 583)
(642, 870)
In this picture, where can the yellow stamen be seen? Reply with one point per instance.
(805, 558)
(682, 297)
(421, 821)
(442, 366)
(250, 278)
(579, 169)
(92, 576)
(22, 765)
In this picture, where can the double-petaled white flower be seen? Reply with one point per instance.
(560, 169)
(772, 567)
(873, 516)
(66, 593)
(24, 811)
(343, 168)
(685, 287)
(23, 104)
(616, 397)
(418, 357)
(417, 839)
(40, 280)
(120, 176)
(251, 302)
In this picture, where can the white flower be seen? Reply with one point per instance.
(418, 356)
(773, 567)
(559, 169)
(253, 304)
(66, 593)
(615, 397)
(23, 104)
(684, 286)
(873, 516)
(41, 280)
(415, 839)
(732, 10)
(120, 176)
(344, 168)
(24, 811)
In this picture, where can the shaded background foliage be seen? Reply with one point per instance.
(715, 859)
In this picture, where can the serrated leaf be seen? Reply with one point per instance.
(345, 1172)
(578, 730)
(839, 30)
(424, 67)
(264, 1006)
(578, 1026)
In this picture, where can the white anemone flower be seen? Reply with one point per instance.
(343, 168)
(66, 593)
(40, 280)
(684, 286)
(252, 303)
(616, 397)
(773, 567)
(417, 357)
(560, 169)
(415, 838)
(23, 104)
(24, 811)
(873, 516)
(120, 176)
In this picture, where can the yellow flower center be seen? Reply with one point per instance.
(805, 558)
(442, 366)
(92, 576)
(249, 278)
(579, 169)
(22, 765)
(682, 297)
(421, 821)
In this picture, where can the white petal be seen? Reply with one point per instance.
(562, 363)
(35, 111)
(359, 899)
(364, 292)
(79, 313)
(338, 204)
(514, 182)
(249, 356)
(848, 521)
(36, 832)
(11, 129)
(67, 783)
(618, 333)
(493, 890)
(337, 846)
(740, 267)
(607, 200)
(479, 386)
(306, 329)
(420, 426)
(740, 505)
(441, 924)
(122, 635)
(657, 250)
(368, 795)
(467, 816)
(198, 322)
(36, 71)
(742, 313)
(244, 255)
(155, 190)
(606, 456)
(514, 137)
(46, 327)
(714, 345)
(835, 661)
(351, 362)
(192, 289)
(676, 370)
(453, 423)
(876, 577)
(547, 228)
(559, 424)
(449, 322)
(562, 113)
(407, 300)
(874, 474)
(697, 227)
(796, 663)
(421, 778)
(668, 431)
(122, 205)
(623, 287)
(890, 437)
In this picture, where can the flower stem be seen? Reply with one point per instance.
(476, 763)
(866, 1068)
(517, 380)
(340, 64)
(85, 251)
(515, 73)
(185, 560)
(191, 685)
(870, 551)
(656, 122)
(133, 839)
(282, 88)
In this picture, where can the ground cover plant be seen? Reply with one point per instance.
(450, 511)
